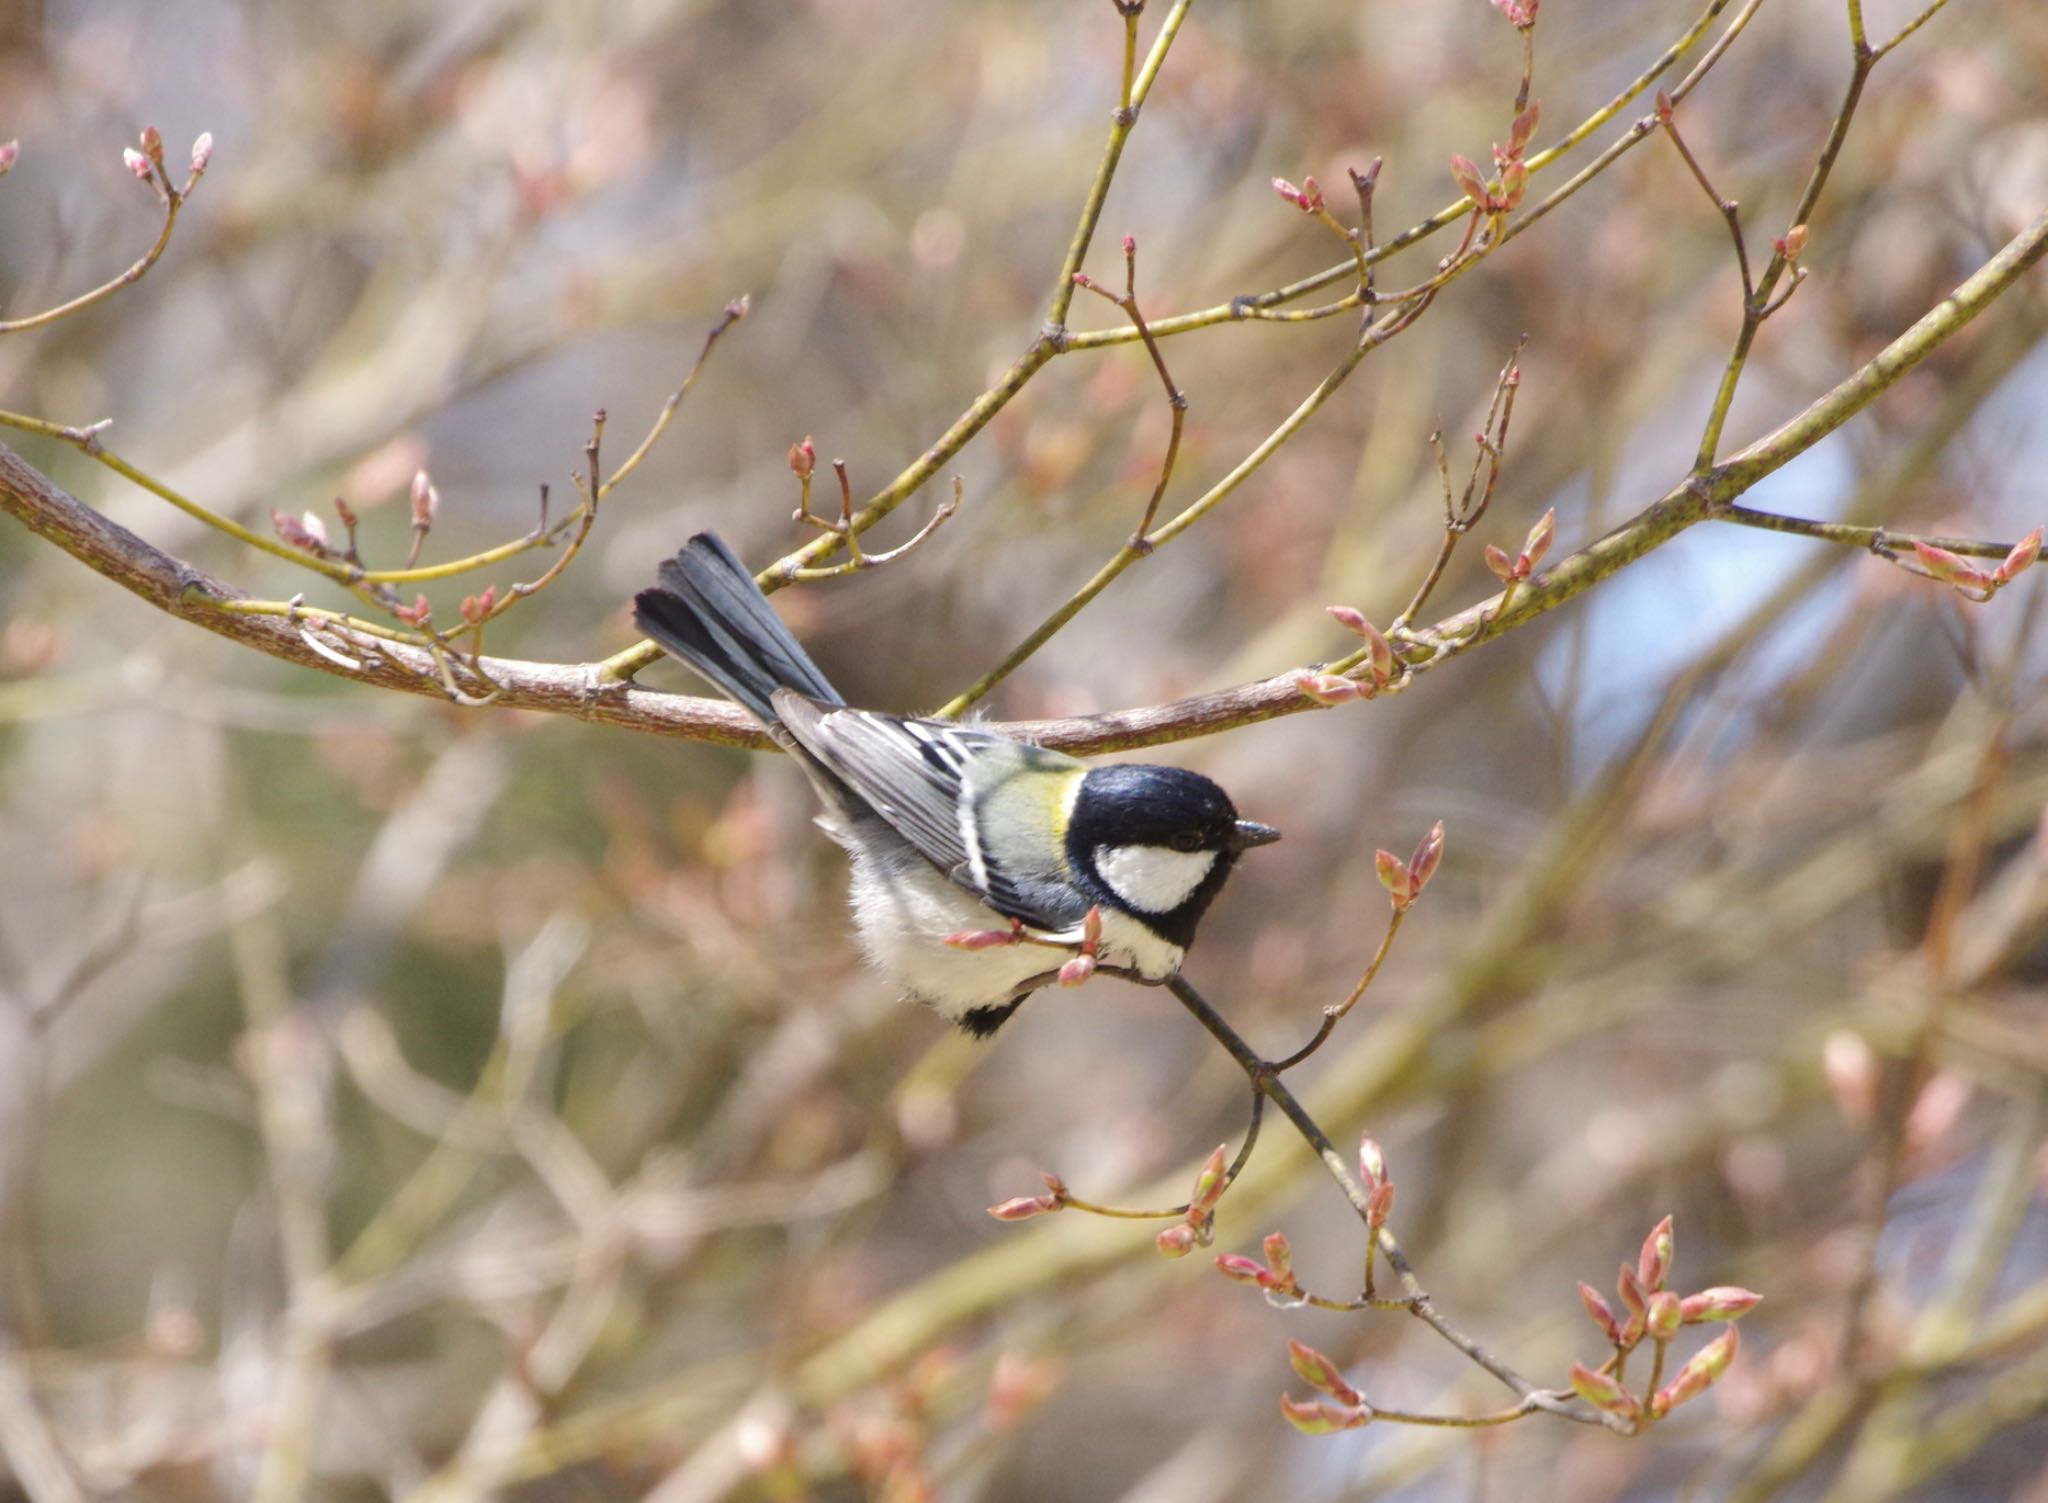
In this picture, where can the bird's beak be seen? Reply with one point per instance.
(1249, 832)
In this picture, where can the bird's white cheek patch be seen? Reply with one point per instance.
(1151, 878)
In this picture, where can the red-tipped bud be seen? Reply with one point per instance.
(2023, 554)
(1428, 852)
(1244, 1270)
(1724, 1302)
(1501, 566)
(1514, 183)
(153, 144)
(1538, 542)
(1664, 108)
(1793, 242)
(1280, 1258)
(136, 163)
(1091, 929)
(1603, 1391)
(476, 609)
(1663, 1318)
(1311, 193)
(803, 459)
(346, 512)
(1292, 194)
(1130, 245)
(1521, 14)
(426, 501)
(1378, 1206)
(982, 939)
(1210, 1182)
(1328, 688)
(1314, 1417)
(202, 153)
(1951, 569)
(307, 532)
(1351, 619)
(1524, 129)
(1602, 1313)
(10, 153)
(1698, 1375)
(1470, 183)
(416, 614)
(1024, 1207)
(1393, 874)
(1176, 1241)
(1077, 970)
(1320, 1372)
(1653, 1264)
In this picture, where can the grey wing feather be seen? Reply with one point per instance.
(914, 775)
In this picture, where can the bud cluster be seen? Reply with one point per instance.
(1509, 185)
(1197, 1225)
(1350, 1409)
(1511, 571)
(1404, 880)
(1649, 1311)
(1964, 577)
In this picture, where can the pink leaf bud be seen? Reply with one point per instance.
(803, 459)
(1077, 970)
(426, 501)
(346, 512)
(1524, 128)
(1351, 619)
(1372, 1163)
(1244, 1270)
(1664, 108)
(1950, 568)
(1699, 1374)
(476, 609)
(1280, 1258)
(416, 614)
(1538, 542)
(1664, 1317)
(1793, 242)
(1311, 194)
(202, 153)
(1130, 245)
(1393, 875)
(1466, 172)
(1291, 193)
(981, 939)
(10, 152)
(1328, 688)
(1024, 1207)
(153, 145)
(1654, 1262)
(1602, 1313)
(136, 163)
(1603, 1391)
(1320, 1372)
(1176, 1241)
(1514, 183)
(1210, 1182)
(1378, 1206)
(1502, 567)
(1428, 852)
(1521, 14)
(1724, 1302)
(2023, 554)
(307, 533)
(1314, 1417)
(1054, 1183)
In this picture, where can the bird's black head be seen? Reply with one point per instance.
(1157, 842)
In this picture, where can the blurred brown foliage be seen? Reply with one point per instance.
(404, 1101)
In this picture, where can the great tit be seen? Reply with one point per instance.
(956, 833)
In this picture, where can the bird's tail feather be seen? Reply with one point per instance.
(707, 610)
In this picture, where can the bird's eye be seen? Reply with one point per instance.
(1186, 840)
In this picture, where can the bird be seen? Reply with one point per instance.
(971, 851)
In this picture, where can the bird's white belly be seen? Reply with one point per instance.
(903, 921)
